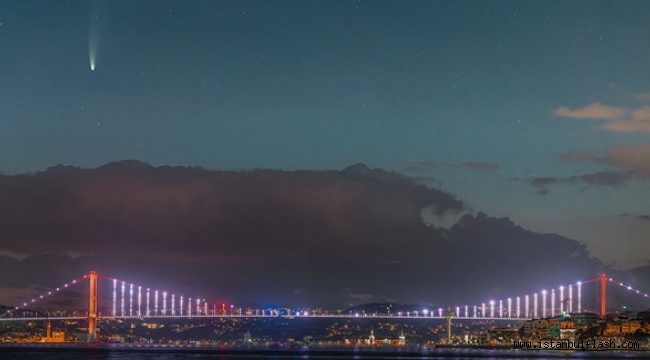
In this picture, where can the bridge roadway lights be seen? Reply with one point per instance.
(565, 305)
(252, 316)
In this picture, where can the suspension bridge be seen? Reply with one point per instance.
(130, 301)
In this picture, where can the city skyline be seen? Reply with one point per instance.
(284, 138)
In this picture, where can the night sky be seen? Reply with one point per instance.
(482, 126)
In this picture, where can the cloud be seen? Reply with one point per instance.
(592, 111)
(639, 217)
(420, 166)
(544, 181)
(427, 166)
(262, 234)
(361, 297)
(642, 114)
(612, 179)
(615, 118)
(482, 166)
(64, 303)
(643, 96)
(636, 158)
(632, 161)
(580, 156)
(90, 210)
(604, 178)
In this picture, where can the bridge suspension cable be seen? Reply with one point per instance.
(130, 301)
(45, 295)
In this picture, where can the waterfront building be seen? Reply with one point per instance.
(567, 330)
(538, 328)
(584, 320)
(53, 336)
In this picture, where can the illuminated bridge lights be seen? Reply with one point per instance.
(538, 305)
(156, 303)
(629, 288)
(127, 303)
(45, 295)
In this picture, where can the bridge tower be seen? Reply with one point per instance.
(92, 306)
(603, 295)
(448, 316)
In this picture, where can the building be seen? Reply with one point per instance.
(567, 330)
(584, 320)
(537, 328)
(373, 341)
(53, 336)
(502, 335)
(371, 338)
(619, 327)
(402, 338)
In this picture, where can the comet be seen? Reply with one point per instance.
(92, 46)
(95, 22)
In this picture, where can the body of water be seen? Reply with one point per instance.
(162, 352)
(120, 352)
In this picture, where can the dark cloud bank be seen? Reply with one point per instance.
(270, 237)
